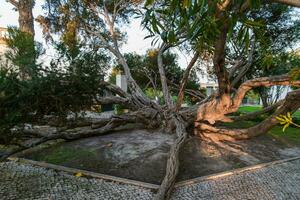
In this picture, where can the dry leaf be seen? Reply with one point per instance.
(78, 174)
(109, 144)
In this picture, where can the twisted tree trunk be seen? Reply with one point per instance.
(168, 182)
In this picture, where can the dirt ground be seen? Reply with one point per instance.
(142, 154)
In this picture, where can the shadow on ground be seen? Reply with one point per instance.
(142, 154)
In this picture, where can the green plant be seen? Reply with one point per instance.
(29, 91)
(119, 109)
(286, 120)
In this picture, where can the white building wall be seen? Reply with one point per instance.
(3, 45)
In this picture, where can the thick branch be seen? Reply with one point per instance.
(291, 104)
(116, 100)
(99, 127)
(259, 82)
(217, 108)
(253, 115)
(294, 3)
(168, 182)
(219, 61)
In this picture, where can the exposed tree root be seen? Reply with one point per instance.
(168, 182)
(100, 127)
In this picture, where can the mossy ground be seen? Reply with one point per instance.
(63, 154)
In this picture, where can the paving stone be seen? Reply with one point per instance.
(24, 181)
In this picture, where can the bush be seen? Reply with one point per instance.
(69, 84)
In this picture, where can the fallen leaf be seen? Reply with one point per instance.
(78, 174)
(109, 144)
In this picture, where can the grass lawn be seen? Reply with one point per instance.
(247, 109)
(291, 134)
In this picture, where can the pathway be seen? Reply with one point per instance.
(26, 181)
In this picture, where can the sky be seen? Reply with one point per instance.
(135, 40)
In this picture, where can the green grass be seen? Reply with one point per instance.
(239, 124)
(247, 109)
(291, 135)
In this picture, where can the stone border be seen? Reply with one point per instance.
(86, 173)
(232, 172)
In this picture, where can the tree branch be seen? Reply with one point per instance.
(163, 78)
(253, 115)
(219, 61)
(246, 67)
(184, 80)
(258, 82)
(14, 3)
(290, 104)
(294, 3)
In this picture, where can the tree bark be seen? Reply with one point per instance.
(291, 104)
(219, 61)
(168, 182)
(253, 115)
(217, 108)
(294, 3)
(26, 19)
(184, 80)
(163, 78)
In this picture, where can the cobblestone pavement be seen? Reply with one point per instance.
(24, 181)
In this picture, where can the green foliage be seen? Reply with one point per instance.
(291, 135)
(152, 93)
(195, 22)
(69, 84)
(119, 109)
(76, 22)
(144, 70)
(23, 53)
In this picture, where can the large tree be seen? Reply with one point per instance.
(26, 19)
(203, 28)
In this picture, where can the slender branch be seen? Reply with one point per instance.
(163, 78)
(184, 80)
(246, 67)
(239, 63)
(14, 3)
